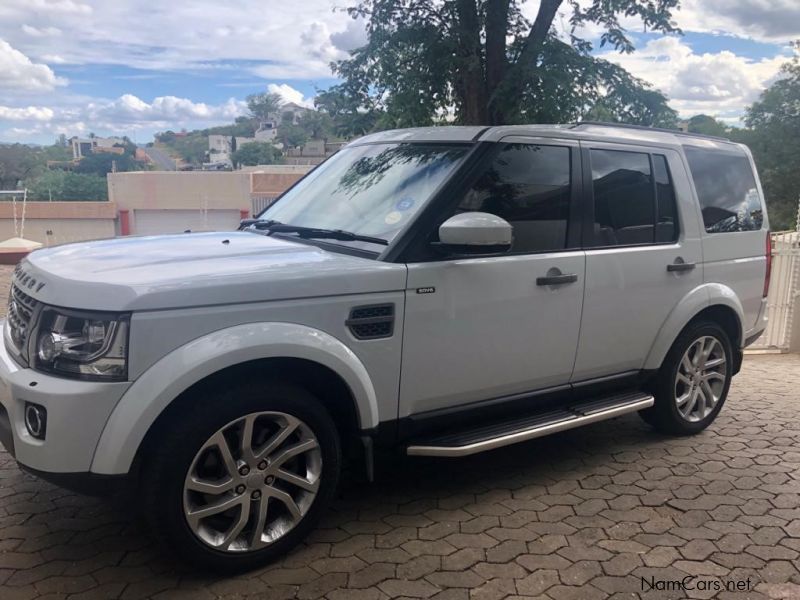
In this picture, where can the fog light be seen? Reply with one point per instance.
(36, 420)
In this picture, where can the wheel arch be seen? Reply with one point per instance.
(715, 302)
(302, 354)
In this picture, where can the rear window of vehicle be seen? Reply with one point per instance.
(726, 189)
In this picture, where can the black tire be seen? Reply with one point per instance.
(664, 414)
(165, 470)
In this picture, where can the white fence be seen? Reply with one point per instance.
(260, 202)
(784, 289)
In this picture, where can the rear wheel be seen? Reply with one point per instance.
(243, 477)
(692, 384)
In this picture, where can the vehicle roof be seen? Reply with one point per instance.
(604, 132)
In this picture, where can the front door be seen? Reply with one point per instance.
(484, 328)
(643, 254)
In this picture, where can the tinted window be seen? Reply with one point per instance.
(624, 206)
(726, 188)
(528, 186)
(666, 208)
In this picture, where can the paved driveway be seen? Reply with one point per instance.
(585, 514)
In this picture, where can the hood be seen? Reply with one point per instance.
(195, 269)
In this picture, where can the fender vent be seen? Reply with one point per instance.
(372, 322)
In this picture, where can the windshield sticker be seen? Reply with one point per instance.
(404, 204)
(393, 218)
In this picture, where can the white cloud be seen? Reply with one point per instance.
(28, 113)
(354, 36)
(18, 72)
(41, 31)
(53, 7)
(125, 114)
(720, 83)
(763, 20)
(289, 94)
(131, 111)
(286, 40)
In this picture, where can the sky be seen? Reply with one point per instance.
(134, 68)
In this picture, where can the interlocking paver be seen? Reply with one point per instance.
(584, 514)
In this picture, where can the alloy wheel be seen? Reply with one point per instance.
(701, 377)
(252, 482)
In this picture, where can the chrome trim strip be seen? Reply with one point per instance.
(529, 434)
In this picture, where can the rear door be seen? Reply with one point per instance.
(643, 253)
(735, 226)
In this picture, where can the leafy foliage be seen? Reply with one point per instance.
(66, 185)
(17, 161)
(707, 125)
(773, 136)
(103, 163)
(191, 147)
(256, 153)
(483, 59)
(265, 105)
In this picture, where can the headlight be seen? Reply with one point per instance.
(82, 345)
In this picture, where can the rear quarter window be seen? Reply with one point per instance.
(726, 188)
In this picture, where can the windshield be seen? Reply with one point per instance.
(371, 190)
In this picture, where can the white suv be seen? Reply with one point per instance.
(444, 291)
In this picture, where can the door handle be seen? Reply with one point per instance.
(680, 267)
(557, 279)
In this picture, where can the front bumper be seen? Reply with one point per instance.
(77, 412)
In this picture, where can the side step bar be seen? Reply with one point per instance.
(505, 433)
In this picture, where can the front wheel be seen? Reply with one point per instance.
(243, 476)
(693, 381)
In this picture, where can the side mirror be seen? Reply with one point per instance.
(475, 233)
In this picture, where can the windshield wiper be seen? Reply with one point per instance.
(315, 232)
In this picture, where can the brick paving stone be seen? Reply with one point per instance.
(419, 567)
(584, 514)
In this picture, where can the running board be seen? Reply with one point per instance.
(505, 433)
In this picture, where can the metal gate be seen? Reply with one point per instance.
(784, 288)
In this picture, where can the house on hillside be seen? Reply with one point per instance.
(220, 148)
(84, 146)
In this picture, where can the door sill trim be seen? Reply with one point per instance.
(576, 419)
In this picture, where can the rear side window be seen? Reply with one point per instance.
(624, 198)
(726, 189)
(528, 185)
(666, 208)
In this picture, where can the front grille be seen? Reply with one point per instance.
(21, 308)
(372, 322)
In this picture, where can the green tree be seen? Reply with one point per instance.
(485, 59)
(352, 113)
(65, 185)
(256, 153)
(17, 162)
(773, 135)
(103, 163)
(707, 125)
(291, 135)
(263, 106)
(317, 125)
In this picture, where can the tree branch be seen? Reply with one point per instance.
(496, 56)
(512, 82)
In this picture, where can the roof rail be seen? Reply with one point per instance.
(645, 128)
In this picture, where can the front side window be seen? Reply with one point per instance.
(624, 203)
(529, 186)
(372, 190)
(726, 189)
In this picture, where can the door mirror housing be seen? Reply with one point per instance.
(475, 233)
